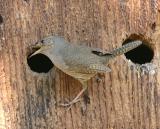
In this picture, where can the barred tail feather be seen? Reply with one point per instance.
(125, 48)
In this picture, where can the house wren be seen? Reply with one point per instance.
(80, 62)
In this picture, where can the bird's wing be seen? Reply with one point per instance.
(94, 68)
(85, 66)
(99, 68)
(99, 52)
(81, 60)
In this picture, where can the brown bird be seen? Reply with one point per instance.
(80, 62)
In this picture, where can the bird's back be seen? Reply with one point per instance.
(79, 57)
(76, 60)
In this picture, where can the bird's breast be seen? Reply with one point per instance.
(80, 75)
(75, 74)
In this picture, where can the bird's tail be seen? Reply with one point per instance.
(125, 48)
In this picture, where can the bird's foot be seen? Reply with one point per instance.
(69, 104)
(75, 100)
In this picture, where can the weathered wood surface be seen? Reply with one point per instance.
(121, 100)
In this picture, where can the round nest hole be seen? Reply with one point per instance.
(39, 63)
(140, 55)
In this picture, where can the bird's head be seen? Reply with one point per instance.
(48, 44)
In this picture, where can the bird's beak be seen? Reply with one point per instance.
(41, 48)
(36, 52)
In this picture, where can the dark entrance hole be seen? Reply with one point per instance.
(39, 63)
(140, 55)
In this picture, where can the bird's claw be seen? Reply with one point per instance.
(69, 104)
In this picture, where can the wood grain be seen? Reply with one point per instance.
(121, 101)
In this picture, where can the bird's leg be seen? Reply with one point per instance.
(77, 98)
